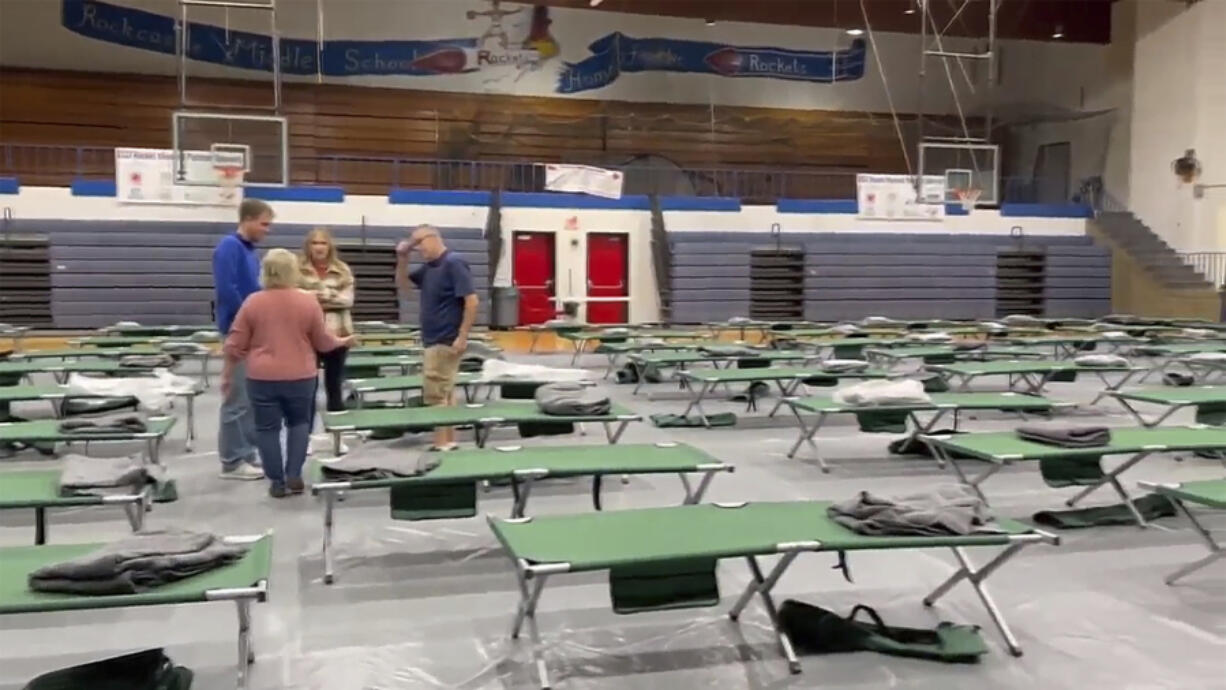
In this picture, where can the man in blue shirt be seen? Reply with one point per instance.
(448, 309)
(236, 274)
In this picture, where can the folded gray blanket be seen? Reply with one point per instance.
(729, 351)
(1065, 435)
(947, 509)
(379, 463)
(570, 398)
(137, 563)
(844, 365)
(146, 361)
(103, 426)
(83, 474)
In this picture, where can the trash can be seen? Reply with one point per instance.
(504, 307)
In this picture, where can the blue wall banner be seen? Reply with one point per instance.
(150, 31)
(617, 53)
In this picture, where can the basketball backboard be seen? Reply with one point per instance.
(260, 141)
(964, 166)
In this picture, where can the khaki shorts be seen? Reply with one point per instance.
(441, 365)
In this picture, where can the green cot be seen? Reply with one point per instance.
(1003, 448)
(242, 582)
(1210, 493)
(661, 558)
(788, 380)
(483, 417)
(57, 394)
(449, 491)
(1033, 376)
(39, 490)
(48, 431)
(940, 404)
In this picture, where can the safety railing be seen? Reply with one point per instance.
(40, 164)
(1212, 265)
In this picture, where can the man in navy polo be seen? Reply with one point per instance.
(236, 274)
(448, 309)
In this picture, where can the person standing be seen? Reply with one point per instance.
(331, 281)
(277, 333)
(236, 275)
(448, 310)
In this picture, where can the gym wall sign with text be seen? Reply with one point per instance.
(513, 47)
(617, 53)
(494, 48)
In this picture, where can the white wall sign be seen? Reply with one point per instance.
(585, 179)
(893, 197)
(146, 176)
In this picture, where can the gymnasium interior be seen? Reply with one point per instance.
(897, 327)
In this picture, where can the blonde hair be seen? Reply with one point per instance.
(333, 259)
(279, 269)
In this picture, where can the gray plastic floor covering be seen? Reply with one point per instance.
(422, 606)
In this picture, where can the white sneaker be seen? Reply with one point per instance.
(244, 472)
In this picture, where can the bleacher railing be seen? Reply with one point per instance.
(1212, 265)
(41, 164)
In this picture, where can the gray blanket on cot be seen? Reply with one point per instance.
(1065, 435)
(571, 399)
(379, 463)
(947, 509)
(85, 475)
(729, 351)
(137, 563)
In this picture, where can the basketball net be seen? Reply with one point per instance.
(229, 178)
(968, 197)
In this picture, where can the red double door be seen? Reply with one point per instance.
(534, 267)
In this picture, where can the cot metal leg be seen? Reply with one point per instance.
(786, 390)
(1216, 551)
(40, 526)
(530, 595)
(336, 443)
(135, 511)
(481, 433)
(1159, 368)
(762, 586)
(1109, 388)
(806, 436)
(154, 446)
(245, 654)
(694, 495)
(975, 578)
(191, 422)
(1170, 410)
(520, 489)
(975, 481)
(329, 510)
(1112, 478)
(613, 435)
(696, 402)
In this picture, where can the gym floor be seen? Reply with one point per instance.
(428, 604)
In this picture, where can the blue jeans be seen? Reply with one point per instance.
(236, 438)
(283, 403)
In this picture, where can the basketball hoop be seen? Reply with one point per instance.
(229, 177)
(968, 197)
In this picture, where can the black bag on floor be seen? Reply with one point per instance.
(815, 630)
(1150, 506)
(147, 670)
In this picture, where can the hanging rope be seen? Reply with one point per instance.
(885, 83)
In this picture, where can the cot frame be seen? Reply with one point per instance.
(941, 451)
(134, 507)
(57, 401)
(681, 367)
(1216, 551)
(1036, 380)
(532, 578)
(522, 481)
(787, 385)
(153, 441)
(1128, 400)
(922, 428)
(242, 598)
(483, 427)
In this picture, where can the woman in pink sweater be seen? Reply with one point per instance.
(278, 331)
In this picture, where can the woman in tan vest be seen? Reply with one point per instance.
(331, 281)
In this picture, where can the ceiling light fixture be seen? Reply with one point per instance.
(710, 22)
(855, 32)
(595, 3)
(1059, 32)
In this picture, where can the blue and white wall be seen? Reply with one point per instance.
(113, 261)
